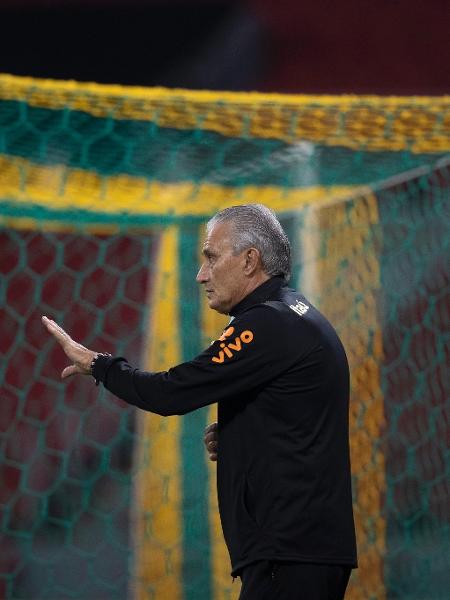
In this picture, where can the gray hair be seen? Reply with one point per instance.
(256, 226)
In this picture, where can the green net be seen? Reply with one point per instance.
(381, 274)
(104, 193)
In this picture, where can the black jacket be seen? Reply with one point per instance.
(280, 375)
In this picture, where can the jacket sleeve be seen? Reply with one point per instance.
(250, 352)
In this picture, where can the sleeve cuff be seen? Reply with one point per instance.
(101, 365)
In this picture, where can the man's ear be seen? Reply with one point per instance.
(252, 261)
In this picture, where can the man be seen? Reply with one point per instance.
(280, 376)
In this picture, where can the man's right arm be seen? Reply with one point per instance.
(247, 358)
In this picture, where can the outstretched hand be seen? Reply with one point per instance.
(80, 356)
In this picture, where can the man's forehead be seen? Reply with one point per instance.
(218, 236)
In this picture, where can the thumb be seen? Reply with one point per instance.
(69, 371)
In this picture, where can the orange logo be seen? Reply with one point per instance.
(226, 334)
(244, 338)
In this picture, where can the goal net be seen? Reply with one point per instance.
(104, 194)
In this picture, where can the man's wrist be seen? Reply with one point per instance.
(94, 362)
(86, 362)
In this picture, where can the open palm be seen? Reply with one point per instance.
(80, 356)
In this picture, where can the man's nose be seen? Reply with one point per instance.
(202, 275)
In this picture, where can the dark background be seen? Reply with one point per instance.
(310, 46)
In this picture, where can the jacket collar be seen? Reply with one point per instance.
(262, 293)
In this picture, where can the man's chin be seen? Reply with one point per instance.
(215, 305)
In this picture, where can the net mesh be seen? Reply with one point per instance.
(104, 195)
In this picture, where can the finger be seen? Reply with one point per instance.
(210, 443)
(210, 437)
(58, 332)
(211, 427)
(69, 371)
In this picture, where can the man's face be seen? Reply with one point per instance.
(222, 272)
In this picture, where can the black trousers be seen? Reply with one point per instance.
(266, 580)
